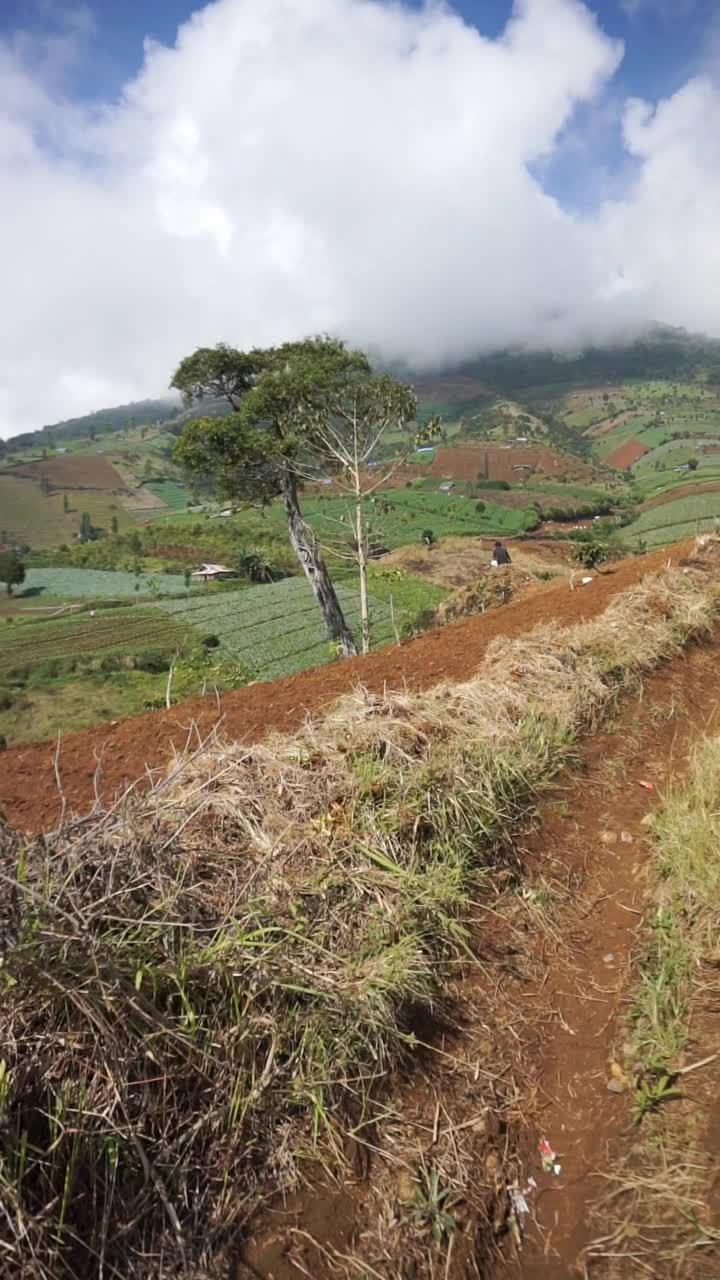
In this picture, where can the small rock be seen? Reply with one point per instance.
(616, 1086)
(626, 837)
(609, 837)
(609, 958)
(647, 821)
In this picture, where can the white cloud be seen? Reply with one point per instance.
(302, 165)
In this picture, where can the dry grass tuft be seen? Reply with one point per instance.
(217, 979)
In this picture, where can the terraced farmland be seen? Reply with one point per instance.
(672, 521)
(276, 628)
(117, 631)
(409, 512)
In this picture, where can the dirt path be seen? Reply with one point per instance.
(573, 978)
(595, 836)
(120, 753)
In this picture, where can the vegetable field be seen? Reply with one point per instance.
(116, 631)
(673, 521)
(174, 495)
(74, 584)
(400, 516)
(276, 628)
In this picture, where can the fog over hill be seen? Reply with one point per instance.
(662, 353)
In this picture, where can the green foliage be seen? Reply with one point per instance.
(431, 1206)
(205, 669)
(12, 570)
(79, 583)
(591, 554)
(276, 396)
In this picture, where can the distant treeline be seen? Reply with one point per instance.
(664, 354)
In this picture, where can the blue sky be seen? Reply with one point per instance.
(664, 38)
(665, 43)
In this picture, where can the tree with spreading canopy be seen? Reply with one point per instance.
(12, 570)
(288, 409)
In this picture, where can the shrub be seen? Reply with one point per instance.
(154, 662)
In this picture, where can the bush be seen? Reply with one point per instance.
(591, 554)
(153, 662)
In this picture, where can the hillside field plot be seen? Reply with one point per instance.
(409, 513)
(79, 584)
(174, 495)
(672, 521)
(496, 463)
(74, 471)
(111, 631)
(277, 628)
(658, 484)
(40, 520)
(626, 455)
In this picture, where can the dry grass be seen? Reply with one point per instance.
(217, 979)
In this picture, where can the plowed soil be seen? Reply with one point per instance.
(626, 455)
(111, 756)
(74, 472)
(467, 463)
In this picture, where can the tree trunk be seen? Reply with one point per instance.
(304, 544)
(361, 540)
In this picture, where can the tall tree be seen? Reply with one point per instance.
(262, 449)
(346, 429)
(12, 570)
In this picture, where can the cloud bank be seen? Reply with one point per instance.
(294, 166)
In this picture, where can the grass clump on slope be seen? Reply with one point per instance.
(215, 980)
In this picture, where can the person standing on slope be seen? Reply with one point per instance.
(500, 554)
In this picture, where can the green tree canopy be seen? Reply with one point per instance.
(12, 570)
(281, 399)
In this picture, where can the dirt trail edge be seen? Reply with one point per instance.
(113, 755)
(582, 899)
(594, 838)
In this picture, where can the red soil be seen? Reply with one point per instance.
(468, 462)
(74, 472)
(128, 749)
(626, 455)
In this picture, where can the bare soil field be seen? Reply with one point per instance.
(81, 471)
(456, 562)
(626, 455)
(513, 465)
